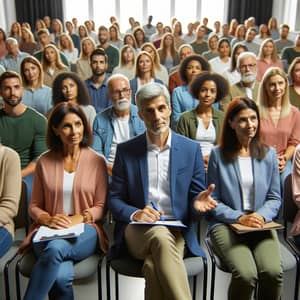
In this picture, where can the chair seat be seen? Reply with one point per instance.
(289, 261)
(82, 269)
(130, 266)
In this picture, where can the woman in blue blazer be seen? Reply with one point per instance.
(245, 173)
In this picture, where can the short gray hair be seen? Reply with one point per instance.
(244, 55)
(150, 91)
(115, 76)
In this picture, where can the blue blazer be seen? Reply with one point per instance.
(228, 191)
(129, 187)
(134, 87)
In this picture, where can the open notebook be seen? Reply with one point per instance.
(46, 234)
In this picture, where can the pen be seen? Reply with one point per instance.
(156, 208)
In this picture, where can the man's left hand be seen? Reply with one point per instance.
(204, 202)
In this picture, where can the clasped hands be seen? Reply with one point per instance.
(252, 220)
(59, 221)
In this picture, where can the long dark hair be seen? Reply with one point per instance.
(229, 143)
(83, 97)
(56, 117)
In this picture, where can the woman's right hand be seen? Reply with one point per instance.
(58, 221)
(252, 220)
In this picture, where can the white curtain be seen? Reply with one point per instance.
(7, 14)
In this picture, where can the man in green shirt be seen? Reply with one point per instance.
(21, 128)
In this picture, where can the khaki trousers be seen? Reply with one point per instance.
(162, 250)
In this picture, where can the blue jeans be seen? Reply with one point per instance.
(5, 241)
(53, 272)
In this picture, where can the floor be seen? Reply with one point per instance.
(132, 288)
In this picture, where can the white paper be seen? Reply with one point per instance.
(173, 223)
(45, 233)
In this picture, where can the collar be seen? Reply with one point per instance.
(151, 146)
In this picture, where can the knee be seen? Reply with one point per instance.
(162, 238)
(246, 276)
(53, 252)
(273, 275)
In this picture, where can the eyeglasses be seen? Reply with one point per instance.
(116, 93)
(249, 66)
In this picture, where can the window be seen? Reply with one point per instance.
(160, 10)
(75, 8)
(102, 11)
(130, 8)
(185, 15)
(213, 10)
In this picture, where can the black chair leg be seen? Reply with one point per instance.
(213, 279)
(117, 285)
(18, 281)
(6, 276)
(100, 278)
(194, 287)
(108, 281)
(204, 260)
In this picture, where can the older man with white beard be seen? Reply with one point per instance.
(119, 122)
(248, 86)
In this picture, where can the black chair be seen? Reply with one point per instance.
(289, 262)
(20, 221)
(290, 210)
(129, 266)
(82, 270)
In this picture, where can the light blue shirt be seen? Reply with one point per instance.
(11, 63)
(103, 129)
(182, 101)
(39, 99)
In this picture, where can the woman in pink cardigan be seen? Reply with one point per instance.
(280, 121)
(70, 187)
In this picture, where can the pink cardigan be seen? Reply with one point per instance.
(286, 133)
(90, 189)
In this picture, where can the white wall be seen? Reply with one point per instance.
(7, 14)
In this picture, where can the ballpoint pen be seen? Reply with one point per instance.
(161, 218)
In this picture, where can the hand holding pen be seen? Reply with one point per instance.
(148, 214)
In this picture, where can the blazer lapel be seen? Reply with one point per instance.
(142, 157)
(173, 166)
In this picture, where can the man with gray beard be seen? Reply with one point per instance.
(119, 122)
(248, 86)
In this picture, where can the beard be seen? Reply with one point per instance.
(13, 101)
(248, 77)
(121, 104)
(98, 73)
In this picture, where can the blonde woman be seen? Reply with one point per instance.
(267, 58)
(83, 68)
(160, 70)
(127, 62)
(114, 36)
(294, 88)
(36, 94)
(15, 31)
(52, 64)
(167, 52)
(280, 121)
(27, 42)
(58, 29)
(67, 47)
(144, 73)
